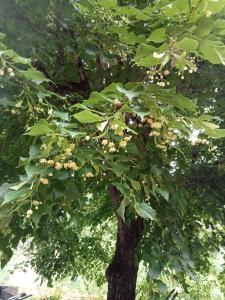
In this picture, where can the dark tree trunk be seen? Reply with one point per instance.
(122, 272)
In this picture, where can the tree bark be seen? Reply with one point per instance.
(122, 272)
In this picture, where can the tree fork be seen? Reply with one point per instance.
(122, 272)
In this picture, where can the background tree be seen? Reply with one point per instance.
(124, 159)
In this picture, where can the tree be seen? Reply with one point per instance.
(105, 110)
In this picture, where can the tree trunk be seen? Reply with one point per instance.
(122, 272)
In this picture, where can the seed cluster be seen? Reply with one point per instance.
(8, 71)
(158, 77)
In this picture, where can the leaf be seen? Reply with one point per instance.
(41, 128)
(72, 193)
(187, 44)
(145, 211)
(124, 189)
(18, 186)
(86, 116)
(180, 102)
(135, 184)
(3, 190)
(16, 195)
(215, 6)
(142, 16)
(61, 115)
(162, 193)
(129, 38)
(108, 3)
(32, 170)
(128, 93)
(215, 133)
(34, 76)
(158, 35)
(121, 210)
(97, 98)
(144, 56)
(213, 51)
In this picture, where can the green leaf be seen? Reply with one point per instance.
(144, 56)
(32, 170)
(187, 44)
(86, 116)
(162, 193)
(215, 6)
(128, 93)
(41, 128)
(124, 189)
(142, 16)
(61, 115)
(145, 211)
(34, 76)
(108, 3)
(3, 190)
(213, 51)
(129, 38)
(72, 193)
(215, 133)
(97, 98)
(122, 208)
(158, 36)
(16, 195)
(180, 102)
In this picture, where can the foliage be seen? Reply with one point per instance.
(111, 96)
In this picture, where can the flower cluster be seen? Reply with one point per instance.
(112, 146)
(44, 180)
(87, 175)
(60, 165)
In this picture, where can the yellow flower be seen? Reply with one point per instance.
(36, 203)
(68, 151)
(72, 165)
(89, 175)
(104, 142)
(112, 149)
(155, 133)
(87, 138)
(65, 165)
(123, 144)
(111, 145)
(43, 161)
(58, 166)
(114, 126)
(50, 162)
(120, 133)
(128, 138)
(43, 180)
